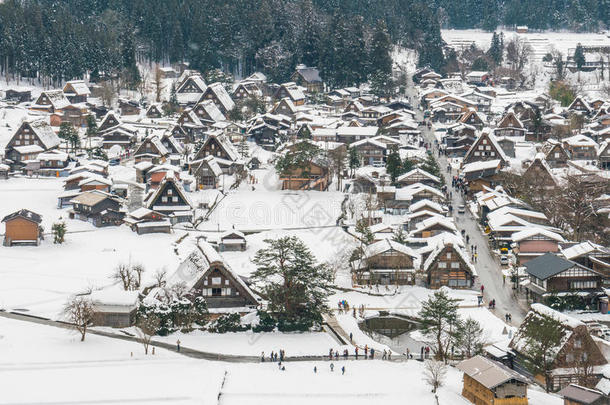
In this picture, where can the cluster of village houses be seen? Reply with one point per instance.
(199, 147)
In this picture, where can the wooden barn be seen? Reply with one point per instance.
(22, 228)
(487, 382)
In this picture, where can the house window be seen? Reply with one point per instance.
(174, 199)
(227, 282)
(448, 255)
(578, 285)
(484, 141)
(164, 199)
(170, 191)
(442, 265)
(577, 343)
(455, 265)
(477, 153)
(216, 292)
(216, 280)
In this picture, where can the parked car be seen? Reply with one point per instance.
(114, 162)
(461, 209)
(504, 260)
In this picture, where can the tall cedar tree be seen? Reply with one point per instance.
(294, 283)
(542, 338)
(394, 165)
(440, 322)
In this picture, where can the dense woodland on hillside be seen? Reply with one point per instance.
(58, 40)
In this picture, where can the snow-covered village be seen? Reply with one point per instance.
(297, 201)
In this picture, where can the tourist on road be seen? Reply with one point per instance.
(178, 345)
(356, 350)
(482, 288)
(343, 370)
(332, 367)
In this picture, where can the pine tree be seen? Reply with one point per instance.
(440, 322)
(295, 285)
(579, 57)
(394, 164)
(542, 336)
(353, 160)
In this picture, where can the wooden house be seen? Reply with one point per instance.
(76, 91)
(170, 199)
(449, 265)
(190, 89)
(580, 147)
(370, 152)
(574, 394)
(580, 105)
(151, 149)
(486, 147)
(354, 106)
(429, 205)
(540, 174)
(418, 175)
(144, 221)
(576, 346)
(207, 173)
(292, 91)
(129, 107)
(218, 94)
(76, 114)
(309, 78)
(53, 163)
(218, 145)
(114, 308)
(18, 96)
(488, 382)
(510, 125)
(471, 117)
(533, 242)
(30, 139)
(554, 153)
(191, 125)
(50, 101)
(205, 273)
(208, 112)
(154, 111)
(173, 146)
(385, 262)
(551, 274)
(231, 241)
(98, 208)
(433, 226)
(314, 176)
(22, 228)
(247, 89)
(120, 136)
(110, 120)
(285, 107)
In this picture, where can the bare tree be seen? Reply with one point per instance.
(338, 157)
(434, 374)
(160, 277)
(129, 276)
(79, 312)
(108, 93)
(147, 327)
(158, 83)
(517, 54)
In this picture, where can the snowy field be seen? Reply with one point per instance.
(39, 279)
(541, 43)
(52, 361)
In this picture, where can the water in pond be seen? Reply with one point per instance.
(393, 332)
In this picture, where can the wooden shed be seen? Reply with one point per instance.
(488, 382)
(114, 308)
(22, 227)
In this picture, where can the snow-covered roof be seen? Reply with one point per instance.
(387, 244)
(580, 140)
(79, 87)
(582, 248)
(489, 373)
(212, 110)
(533, 231)
(480, 166)
(436, 220)
(440, 245)
(114, 297)
(418, 171)
(425, 203)
(45, 133)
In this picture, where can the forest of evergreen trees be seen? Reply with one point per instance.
(57, 40)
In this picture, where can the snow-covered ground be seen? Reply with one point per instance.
(57, 368)
(40, 278)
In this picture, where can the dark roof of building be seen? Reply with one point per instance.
(547, 265)
(25, 214)
(311, 75)
(580, 394)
